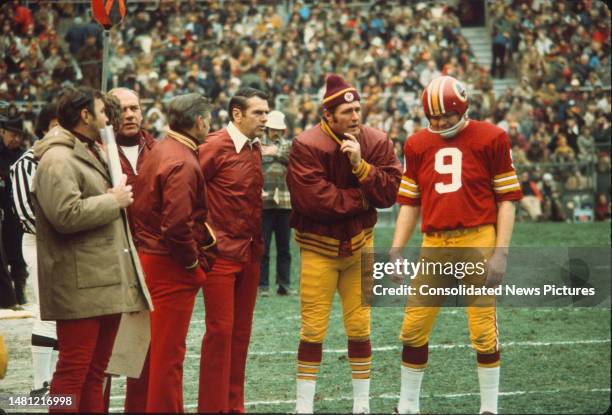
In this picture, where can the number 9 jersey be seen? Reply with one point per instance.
(458, 181)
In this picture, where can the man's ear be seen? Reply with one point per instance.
(237, 114)
(83, 115)
(326, 114)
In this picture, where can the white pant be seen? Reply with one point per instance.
(28, 248)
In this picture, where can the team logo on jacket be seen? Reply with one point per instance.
(349, 97)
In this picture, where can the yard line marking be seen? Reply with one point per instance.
(434, 346)
(392, 396)
(445, 311)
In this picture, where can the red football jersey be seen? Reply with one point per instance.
(458, 181)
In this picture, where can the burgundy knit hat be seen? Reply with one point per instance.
(337, 92)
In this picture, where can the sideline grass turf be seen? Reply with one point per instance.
(553, 360)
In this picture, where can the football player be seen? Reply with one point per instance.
(339, 172)
(460, 177)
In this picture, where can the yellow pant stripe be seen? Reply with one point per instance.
(410, 365)
(308, 364)
(494, 364)
(308, 370)
(360, 360)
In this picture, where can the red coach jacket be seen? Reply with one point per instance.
(234, 184)
(146, 143)
(334, 205)
(169, 208)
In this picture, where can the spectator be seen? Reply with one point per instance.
(576, 180)
(276, 204)
(552, 206)
(586, 145)
(532, 196)
(119, 63)
(602, 207)
(89, 59)
(428, 73)
(500, 43)
(563, 152)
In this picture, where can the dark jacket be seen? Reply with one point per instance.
(146, 143)
(334, 206)
(169, 208)
(234, 184)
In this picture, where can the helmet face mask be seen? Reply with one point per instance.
(444, 96)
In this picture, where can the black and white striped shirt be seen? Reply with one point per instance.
(22, 176)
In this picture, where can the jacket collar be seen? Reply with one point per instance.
(183, 138)
(143, 139)
(238, 138)
(83, 152)
(327, 130)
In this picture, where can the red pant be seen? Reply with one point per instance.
(173, 290)
(136, 390)
(85, 346)
(229, 299)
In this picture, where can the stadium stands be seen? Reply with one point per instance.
(558, 53)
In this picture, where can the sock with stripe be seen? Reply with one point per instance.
(488, 379)
(360, 358)
(414, 362)
(308, 364)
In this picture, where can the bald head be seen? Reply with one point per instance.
(131, 119)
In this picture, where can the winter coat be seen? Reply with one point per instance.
(87, 263)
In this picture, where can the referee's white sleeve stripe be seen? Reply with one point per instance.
(22, 172)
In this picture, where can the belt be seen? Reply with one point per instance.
(456, 232)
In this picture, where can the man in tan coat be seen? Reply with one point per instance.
(89, 271)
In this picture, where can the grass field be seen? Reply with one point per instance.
(555, 360)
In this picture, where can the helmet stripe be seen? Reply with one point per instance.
(429, 107)
(441, 94)
(435, 99)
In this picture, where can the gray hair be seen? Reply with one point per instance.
(123, 88)
(184, 110)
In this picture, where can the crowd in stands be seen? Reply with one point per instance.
(558, 52)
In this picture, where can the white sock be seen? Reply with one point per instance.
(304, 403)
(488, 378)
(361, 396)
(410, 390)
(41, 363)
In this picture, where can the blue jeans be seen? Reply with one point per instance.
(276, 221)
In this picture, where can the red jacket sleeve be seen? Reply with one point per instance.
(379, 177)
(313, 195)
(179, 197)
